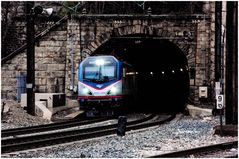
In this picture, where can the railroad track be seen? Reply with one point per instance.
(37, 141)
(48, 127)
(201, 151)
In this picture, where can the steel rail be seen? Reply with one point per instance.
(197, 150)
(48, 127)
(10, 145)
(31, 138)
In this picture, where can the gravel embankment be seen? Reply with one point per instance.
(17, 117)
(181, 133)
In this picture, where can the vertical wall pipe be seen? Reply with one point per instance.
(72, 63)
(218, 34)
(81, 48)
(222, 59)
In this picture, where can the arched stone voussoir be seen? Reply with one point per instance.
(137, 29)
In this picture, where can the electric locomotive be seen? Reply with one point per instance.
(100, 82)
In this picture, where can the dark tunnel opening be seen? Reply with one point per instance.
(162, 71)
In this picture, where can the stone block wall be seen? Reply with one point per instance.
(78, 38)
(13, 31)
(72, 56)
(50, 61)
(193, 37)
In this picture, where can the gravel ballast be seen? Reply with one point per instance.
(17, 117)
(183, 132)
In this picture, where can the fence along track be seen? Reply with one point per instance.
(23, 143)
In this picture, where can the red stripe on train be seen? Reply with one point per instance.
(98, 97)
(99, 88)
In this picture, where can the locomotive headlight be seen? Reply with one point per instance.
(100, 62)
(116, 89)
(85, 90)
(113, 90)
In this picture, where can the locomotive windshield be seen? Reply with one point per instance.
(99, 69)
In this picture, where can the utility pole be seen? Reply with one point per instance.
(30, 58)
(231, 87)
(218, 55)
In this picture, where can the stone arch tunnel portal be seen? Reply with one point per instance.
(162, 71)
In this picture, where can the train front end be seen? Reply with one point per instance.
(99, 82)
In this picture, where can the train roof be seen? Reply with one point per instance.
(100, 56)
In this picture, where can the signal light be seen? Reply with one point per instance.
(40, 10)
